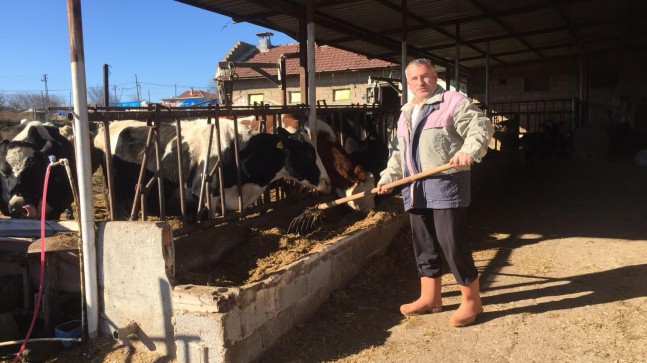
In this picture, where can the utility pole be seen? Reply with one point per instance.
(137, 85)
(114, 89)
(46, 97)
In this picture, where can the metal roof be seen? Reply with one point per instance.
(516, 31)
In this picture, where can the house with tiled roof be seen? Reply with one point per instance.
(341, 76)
(191, 97)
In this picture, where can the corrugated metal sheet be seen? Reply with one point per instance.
(517, 31)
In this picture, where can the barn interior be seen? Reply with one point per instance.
(560, 80)
(552, 67)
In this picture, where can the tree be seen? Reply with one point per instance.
(95, 96)
(26, 101)
(3, 99)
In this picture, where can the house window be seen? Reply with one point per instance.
(294, 97)
(341, 94)
(536, 83)
(258, 98)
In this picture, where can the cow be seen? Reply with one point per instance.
(263, 158)
(346, 176)
(24, 157)
(363, 143)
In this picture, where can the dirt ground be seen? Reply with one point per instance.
(562, 252)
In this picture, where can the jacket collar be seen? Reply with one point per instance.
(435, 98)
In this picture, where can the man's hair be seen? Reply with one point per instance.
(421, 61)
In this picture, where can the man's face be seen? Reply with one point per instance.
(422, 81)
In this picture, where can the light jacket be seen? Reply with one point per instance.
(447, 123)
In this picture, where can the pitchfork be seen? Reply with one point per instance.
(311, 216)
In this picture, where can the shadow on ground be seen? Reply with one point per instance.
(545, 201)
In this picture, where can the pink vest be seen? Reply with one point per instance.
(442, 117)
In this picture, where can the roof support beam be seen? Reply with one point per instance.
(566, 20)
(486, 99)
(498, 14)
(630, 24)
(526, 33)
(312, 82)
(336, 24)
(255, 16)
(303, 58)
(404, 95)
(295, 10)
(505, 26)
(258, 67)
(420, 20)
(558, 46)
(457, 58)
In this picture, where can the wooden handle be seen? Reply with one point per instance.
(397, 183)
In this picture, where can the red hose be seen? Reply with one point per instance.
(42, 265)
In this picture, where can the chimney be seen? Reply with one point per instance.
(264, 43)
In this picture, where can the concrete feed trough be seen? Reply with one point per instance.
(218, 324)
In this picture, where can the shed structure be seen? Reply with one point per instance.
(576, 62)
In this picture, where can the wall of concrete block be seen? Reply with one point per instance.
(218, 324)
(238, 324)
(135, 271)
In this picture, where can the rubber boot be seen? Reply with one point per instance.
(429, 301)
(470, 307)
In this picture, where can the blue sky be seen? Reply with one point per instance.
(164, 42)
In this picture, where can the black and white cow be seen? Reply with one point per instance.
(24, 156)
(346, 176)
(263, 158)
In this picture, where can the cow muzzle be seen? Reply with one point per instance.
(366, 203)
(324, 186)
(20, 208)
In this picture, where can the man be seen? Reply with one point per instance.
(438, 127)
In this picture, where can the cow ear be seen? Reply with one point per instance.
(3, 146)
(46, 147)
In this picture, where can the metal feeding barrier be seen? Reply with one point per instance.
(377, 121)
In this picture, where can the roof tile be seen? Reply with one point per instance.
(327, 59)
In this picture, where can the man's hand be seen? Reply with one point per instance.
(461, 159)
(382, 190)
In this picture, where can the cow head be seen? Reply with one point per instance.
(302, 162)
(363, 204)
(22, 172)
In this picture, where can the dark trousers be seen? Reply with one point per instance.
(438, 232)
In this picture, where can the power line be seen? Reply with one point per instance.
(25, 76)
